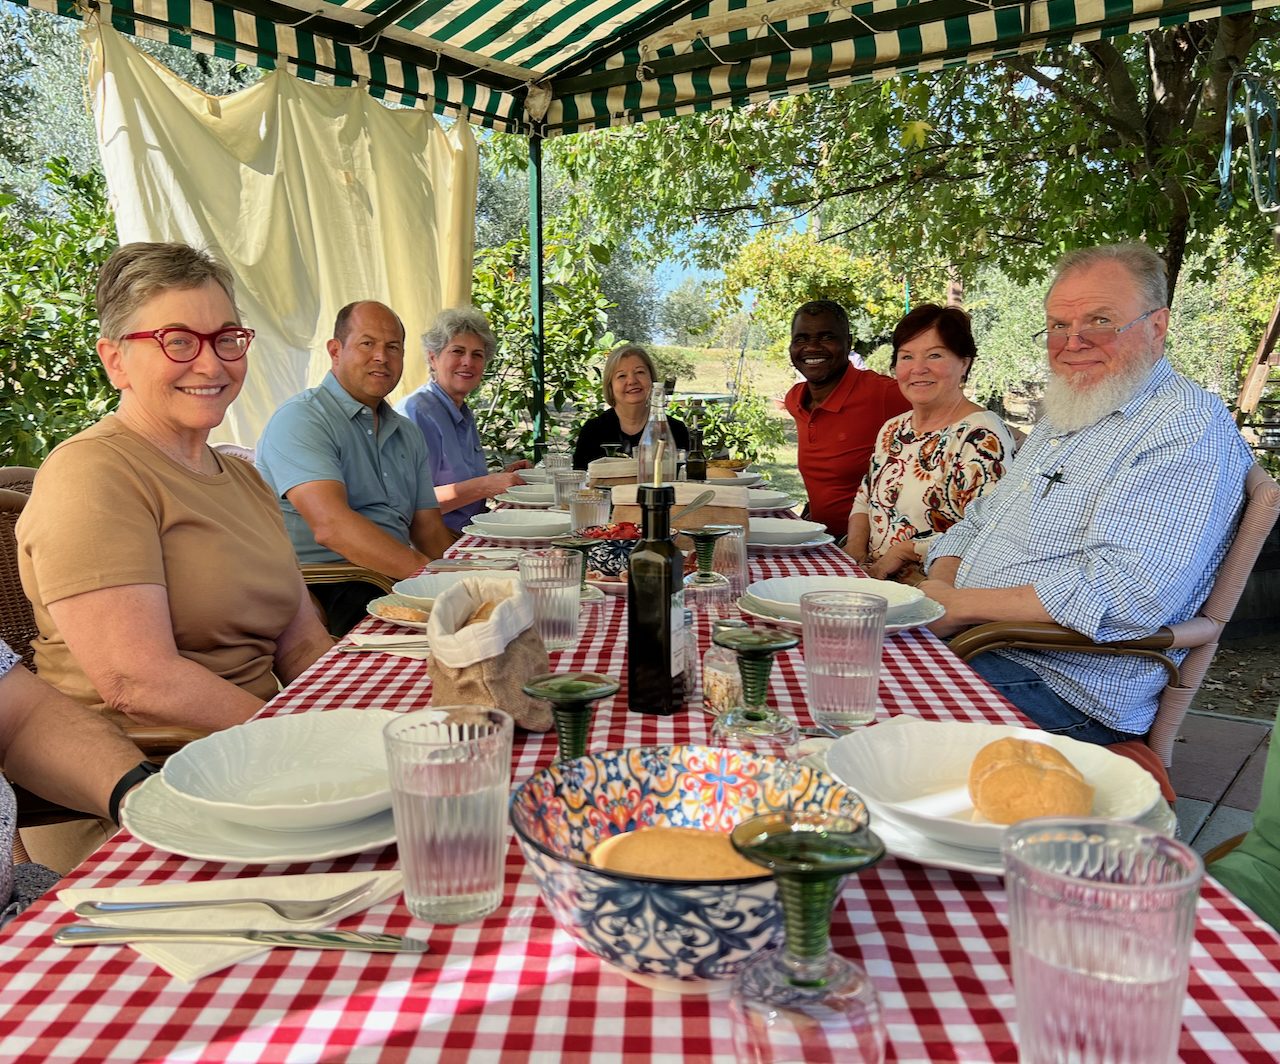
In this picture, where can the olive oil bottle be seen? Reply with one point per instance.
(656, 642)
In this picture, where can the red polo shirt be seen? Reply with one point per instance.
(837, 437)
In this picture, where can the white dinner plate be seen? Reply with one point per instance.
(397, 600)
(820, 540)
(744, 478)
(926, 611)
(521, 503)
(158, 815)
(786, 503)
(782, 594)
(903, 841)
(480, 533)
(608, 587)
(918, 772)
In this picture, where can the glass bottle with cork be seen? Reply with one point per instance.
(656, 451)
(656, 639)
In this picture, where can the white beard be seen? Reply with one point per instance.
(1069, 406)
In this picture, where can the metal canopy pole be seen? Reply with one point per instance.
(539, 397)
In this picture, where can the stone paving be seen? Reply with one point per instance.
(1217, 774)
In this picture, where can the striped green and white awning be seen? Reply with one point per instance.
(561, 66)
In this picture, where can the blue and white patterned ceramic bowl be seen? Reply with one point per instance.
(608, 557)
(686, 936)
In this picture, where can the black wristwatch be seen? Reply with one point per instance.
(126, 783)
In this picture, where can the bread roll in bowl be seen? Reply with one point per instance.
(1014, 779)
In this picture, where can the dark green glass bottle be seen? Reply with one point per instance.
(655, 610)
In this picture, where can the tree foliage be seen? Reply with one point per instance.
(687, 313)
(787, 271)
(502, 215)
(50, 378)
(1006, 164)
(576, 337)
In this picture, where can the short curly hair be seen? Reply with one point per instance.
(455, 321)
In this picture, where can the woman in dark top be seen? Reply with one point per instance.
(627, 379)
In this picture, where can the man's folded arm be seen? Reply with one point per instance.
(336, 527)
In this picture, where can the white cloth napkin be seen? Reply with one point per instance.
(190, 961)
(458, 644)
(402, 646)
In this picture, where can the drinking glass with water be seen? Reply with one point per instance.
(450, 771)
(843, 638)
(553, 581)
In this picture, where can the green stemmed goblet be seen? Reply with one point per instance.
(804, 1001)
(571, 694)
(704, 589)
(753, 724)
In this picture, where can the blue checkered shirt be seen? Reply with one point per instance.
(1120, 529)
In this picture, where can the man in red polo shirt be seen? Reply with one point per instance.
(838, 410)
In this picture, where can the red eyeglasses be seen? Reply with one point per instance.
(183, 345)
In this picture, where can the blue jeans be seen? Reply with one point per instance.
(1026, 690)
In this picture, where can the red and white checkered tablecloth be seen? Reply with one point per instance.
(513, 987)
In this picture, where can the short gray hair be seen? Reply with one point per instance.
(1147, 269)
(135, 273)
(455, 321)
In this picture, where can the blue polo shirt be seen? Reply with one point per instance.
(453, 444)
(325, 434)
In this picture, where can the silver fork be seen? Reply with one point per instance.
(288, 910)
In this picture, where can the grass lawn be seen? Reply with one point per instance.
(715, 370)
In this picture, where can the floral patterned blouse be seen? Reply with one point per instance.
(20, 885)
(918, 485)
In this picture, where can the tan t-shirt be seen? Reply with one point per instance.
(109, 509)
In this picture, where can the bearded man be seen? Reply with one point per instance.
(1114, 516)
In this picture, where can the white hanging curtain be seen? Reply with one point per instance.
(314, 197)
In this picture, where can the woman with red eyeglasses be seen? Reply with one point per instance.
(164, 585)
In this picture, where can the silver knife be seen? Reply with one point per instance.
(92, 935)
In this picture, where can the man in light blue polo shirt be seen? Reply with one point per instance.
(1114, 516)
(350, 473)
(458, 346)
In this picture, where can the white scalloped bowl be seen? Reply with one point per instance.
(422, 590)
(781, 594)
(540, 493)
(782, 530)
(771, 498)
(917, 773)
(294, 773)
(523, 523)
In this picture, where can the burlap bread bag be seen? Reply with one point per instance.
(487, 662)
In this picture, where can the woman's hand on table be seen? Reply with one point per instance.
(899, 555)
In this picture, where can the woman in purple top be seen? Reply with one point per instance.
(458, 346)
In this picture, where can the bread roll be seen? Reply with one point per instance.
(1013, 779)
(481, 614)
(401, 613)
(720, 473)
(674, 853)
